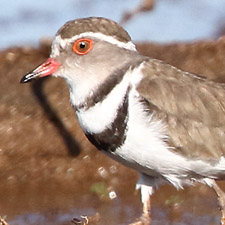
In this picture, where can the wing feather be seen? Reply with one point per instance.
(192, 107)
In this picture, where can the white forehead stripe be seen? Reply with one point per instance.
(62, 42)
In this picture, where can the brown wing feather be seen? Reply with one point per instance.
(193, 108)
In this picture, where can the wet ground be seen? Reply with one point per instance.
(49, 172)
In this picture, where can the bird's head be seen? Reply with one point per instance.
(86, 51)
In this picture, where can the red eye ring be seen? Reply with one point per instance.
(82, 46)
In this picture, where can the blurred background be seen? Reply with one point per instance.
(25, 21)
(49, 172)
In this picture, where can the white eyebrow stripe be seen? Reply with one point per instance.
(64, 41)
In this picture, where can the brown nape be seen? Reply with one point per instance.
(95, 25)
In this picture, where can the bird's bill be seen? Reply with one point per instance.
(45, 69)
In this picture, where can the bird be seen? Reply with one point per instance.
(165, 123)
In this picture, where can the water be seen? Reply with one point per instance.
(193, 206)
(25, 22)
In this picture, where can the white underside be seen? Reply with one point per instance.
(145, 150)
(145, 147)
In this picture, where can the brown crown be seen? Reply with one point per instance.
(94, 24)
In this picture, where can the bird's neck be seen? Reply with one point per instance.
(95, 88)
(104, 115)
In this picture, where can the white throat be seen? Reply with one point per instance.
(99, 117)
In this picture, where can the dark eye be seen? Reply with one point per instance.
(82, 46)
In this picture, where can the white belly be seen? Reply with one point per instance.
(145, 149)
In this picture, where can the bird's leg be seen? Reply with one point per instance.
(145, 185)
(145, 218)
(221, 200)
(146, 214)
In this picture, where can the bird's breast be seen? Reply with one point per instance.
(113, 135)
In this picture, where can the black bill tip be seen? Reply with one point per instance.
(25, 80)
(28, 77)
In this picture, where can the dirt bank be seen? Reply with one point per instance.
(42, 148)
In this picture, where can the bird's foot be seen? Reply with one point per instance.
(2, 221)
(222, 222)
(143, 220)
(86, 220)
